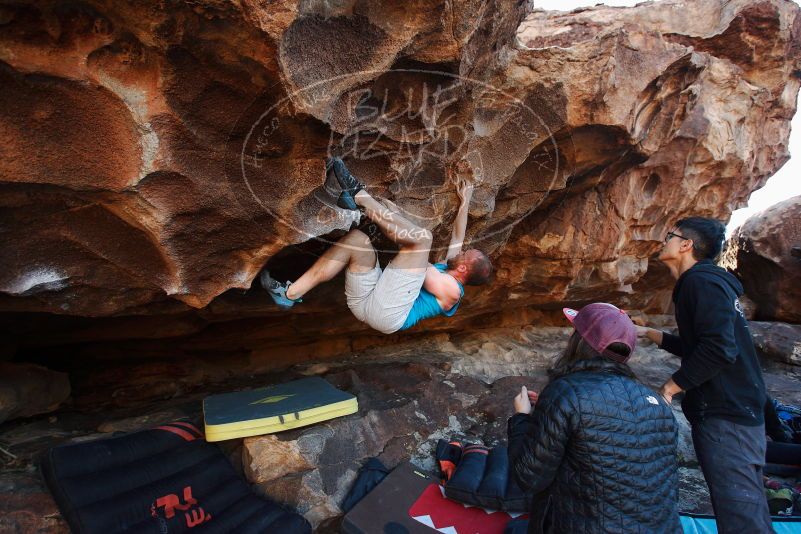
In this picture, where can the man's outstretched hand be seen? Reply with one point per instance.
(464, 189)
(524, 400)
(652, 334)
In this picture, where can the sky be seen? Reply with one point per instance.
(784, 184)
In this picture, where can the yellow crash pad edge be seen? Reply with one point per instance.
(270, 425)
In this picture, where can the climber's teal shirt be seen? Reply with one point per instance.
(426, 305)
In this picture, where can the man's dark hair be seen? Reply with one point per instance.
(708, 236)
(479, 270)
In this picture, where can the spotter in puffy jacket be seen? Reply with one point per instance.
(598, 451)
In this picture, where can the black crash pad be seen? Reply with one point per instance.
(166, 480)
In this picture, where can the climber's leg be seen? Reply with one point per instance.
(393, 292)
(353, 251)
(383, 300)
(414, 242)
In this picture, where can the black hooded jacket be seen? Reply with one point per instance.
(720, 371)
(598, 453)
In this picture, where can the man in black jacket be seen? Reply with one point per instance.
(720, 375)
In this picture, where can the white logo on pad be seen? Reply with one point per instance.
(652, 399)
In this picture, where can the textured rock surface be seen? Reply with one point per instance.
(266, 458)
(26, 507)
(780, 342)
(156, 155)
(27, 389)
(761, 253)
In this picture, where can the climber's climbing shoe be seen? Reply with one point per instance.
(277, 290)
(347, 181)
(333, 195)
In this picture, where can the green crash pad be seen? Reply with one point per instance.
(274, 408)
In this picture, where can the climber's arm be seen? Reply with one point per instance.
(465, 191)
(443, 286)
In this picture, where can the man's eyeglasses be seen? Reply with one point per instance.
(671, 235)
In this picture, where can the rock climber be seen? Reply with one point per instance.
(409, 289)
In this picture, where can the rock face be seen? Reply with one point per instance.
(156, 155)
(761, 253)
(27, 507)
(780, 342)
(27, 389)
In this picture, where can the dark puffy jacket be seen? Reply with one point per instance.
(599, 453)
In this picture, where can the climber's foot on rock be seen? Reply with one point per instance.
(333, 194)
(346, 180)
(277, 291)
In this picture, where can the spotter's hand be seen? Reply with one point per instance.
(524, 400)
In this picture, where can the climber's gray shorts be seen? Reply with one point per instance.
(383, 299)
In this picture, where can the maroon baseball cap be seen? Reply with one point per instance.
(601, 324)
